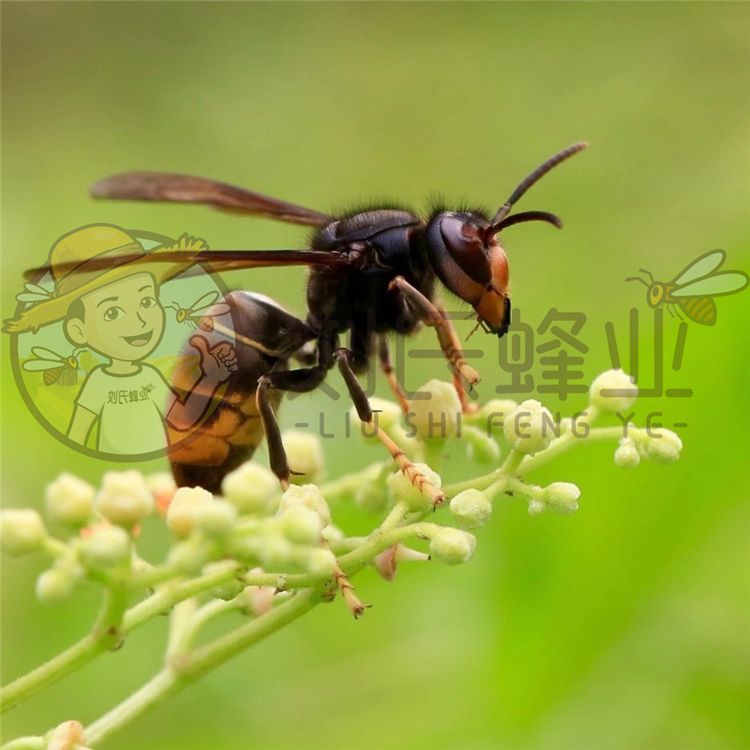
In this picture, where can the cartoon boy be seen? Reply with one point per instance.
(107, 294)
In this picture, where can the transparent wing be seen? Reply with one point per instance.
(36, 289)
(36, 365)
(700, 267)
(207, 299)
(180, 188)
(41, 352)
(713, 286)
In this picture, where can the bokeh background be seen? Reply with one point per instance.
(622, 626)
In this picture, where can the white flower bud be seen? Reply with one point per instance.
(301, 525)
(435, 417)
(536, 507)
(184, 509)
(276, 553)
(332, 534)
(529, 428)
(69, 500)
(494, 413)
(452, 546)
(215, 518)
(54, 585)
(471, 508)
(321, 562)
(624, 396)
(124, 498)
(21, 531)
(304, 455)
(404, 491)
(105, 546)
(386, 414)
(308, 495)
(250, 488)
(626, 454)
(562, 496)
(663, 446)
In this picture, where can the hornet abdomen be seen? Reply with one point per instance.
(264, 337)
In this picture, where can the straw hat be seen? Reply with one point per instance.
(97, 246)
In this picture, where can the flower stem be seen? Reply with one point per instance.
(193, 665)
(105, 635)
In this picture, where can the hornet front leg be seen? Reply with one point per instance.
(436, 317)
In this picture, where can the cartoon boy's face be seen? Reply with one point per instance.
(123, 320)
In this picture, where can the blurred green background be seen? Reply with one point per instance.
(623, 626)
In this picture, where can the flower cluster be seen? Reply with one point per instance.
(265, 551)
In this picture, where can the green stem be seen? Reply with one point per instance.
(191, 666)
(158, 688)
(26, 743)
(106, 634)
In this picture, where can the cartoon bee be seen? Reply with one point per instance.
(692, 290)
(197, 313)
(56, 368)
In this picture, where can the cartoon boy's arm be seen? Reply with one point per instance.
(217, 364)
(80, 424)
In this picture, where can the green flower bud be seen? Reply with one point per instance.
(436, 417)
(188, 557)
(403, 491)
(124, 498)
(215, 518)
(301, 525)
(562, 496)
(321, 562)
(627, 454)
(471, 508)
(452, 546)
(371, 496)
(184, 508)
(308, 495)
(529, 428)
(105, 547)
(304, 455)
(250, 488)
(69, 500)
(663, 446)
(623, 397)
(229, 590)
(21, 531)
(54, 585)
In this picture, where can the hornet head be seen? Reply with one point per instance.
(464, 251)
